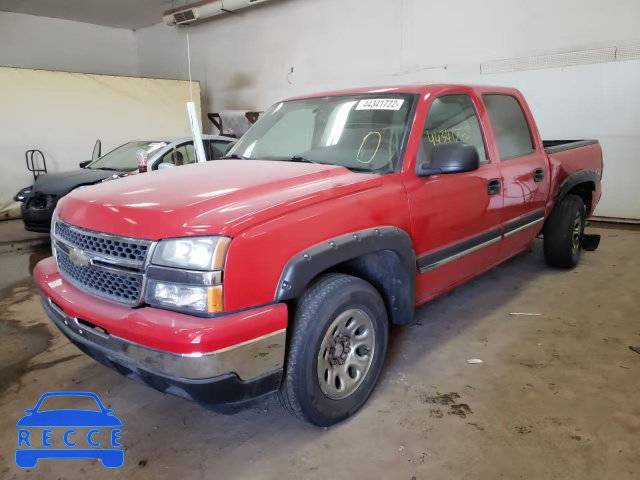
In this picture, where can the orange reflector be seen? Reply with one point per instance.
(214, 299)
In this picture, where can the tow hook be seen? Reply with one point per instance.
(589, 242)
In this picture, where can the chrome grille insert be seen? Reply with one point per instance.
(121, 287)
(113, 266)
(130, 249)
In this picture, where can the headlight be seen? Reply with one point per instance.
(23, 194)
(52, 232)
(192, 283)
(204, 299)
(196, 253)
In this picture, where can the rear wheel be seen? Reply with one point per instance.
(563, 231)
(337, 348)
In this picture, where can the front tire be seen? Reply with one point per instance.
(563, 232)
(337, 349)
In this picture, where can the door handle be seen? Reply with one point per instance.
(494, 186)
(538, 175)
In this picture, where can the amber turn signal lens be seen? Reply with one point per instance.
(214, 299)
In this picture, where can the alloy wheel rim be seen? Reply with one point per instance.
(346, 354)
(577, 231)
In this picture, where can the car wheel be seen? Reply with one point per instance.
(563, 232)
(337, 348)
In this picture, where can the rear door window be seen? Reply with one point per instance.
(510, 126)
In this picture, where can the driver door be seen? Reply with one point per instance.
(455, 218)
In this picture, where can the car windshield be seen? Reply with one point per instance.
(360, 132)
(124, 158)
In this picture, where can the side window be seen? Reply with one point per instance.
(191, 153)
(181, 155)
(509, 125)
(452, 118)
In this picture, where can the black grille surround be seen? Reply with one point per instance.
(104, 265)
(128, 249)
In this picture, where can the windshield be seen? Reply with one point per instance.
(123, 158)
(360, 132)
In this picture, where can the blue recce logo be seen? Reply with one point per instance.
(32, 446)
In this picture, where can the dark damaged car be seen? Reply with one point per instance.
(40, 199)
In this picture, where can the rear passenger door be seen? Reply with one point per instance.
(524, 169)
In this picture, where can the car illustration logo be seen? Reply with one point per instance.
(79, 258)
(69, 433)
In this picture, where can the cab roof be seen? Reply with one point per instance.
(420, 89)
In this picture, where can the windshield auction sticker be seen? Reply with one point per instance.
(380, 104)
(63, 433)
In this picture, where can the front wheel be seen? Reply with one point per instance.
(337, 348)
(563, 232)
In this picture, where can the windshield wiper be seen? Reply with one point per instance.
(300, 159)
(233, 156)
(109, 169)
(363, 170)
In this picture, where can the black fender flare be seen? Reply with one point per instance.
(583, 176)
(399, 286)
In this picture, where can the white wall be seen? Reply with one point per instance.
(28, 41)
(243, 61)
(64, 113)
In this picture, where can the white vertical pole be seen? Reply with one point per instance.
(195, 131)
(193, 116)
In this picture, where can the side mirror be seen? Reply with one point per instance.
(165, 166)
(454, 157)
(85, 163)
(97, 150)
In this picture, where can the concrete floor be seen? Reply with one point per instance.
(558, 395)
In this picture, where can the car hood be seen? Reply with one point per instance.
(221, 197)
(69, 418)
(62, 183)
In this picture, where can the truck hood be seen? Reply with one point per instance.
(220, 197)
(62, 183)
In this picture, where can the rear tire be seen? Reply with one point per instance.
(563, 232)
(337, 347)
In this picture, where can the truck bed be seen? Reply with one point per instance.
(555, 146)
(571, 157)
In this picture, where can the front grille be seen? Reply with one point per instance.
(106, 265)
(122, 287)
(128, 249)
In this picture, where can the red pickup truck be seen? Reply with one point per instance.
(280, 269)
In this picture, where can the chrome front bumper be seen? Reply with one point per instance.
(248, 360)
